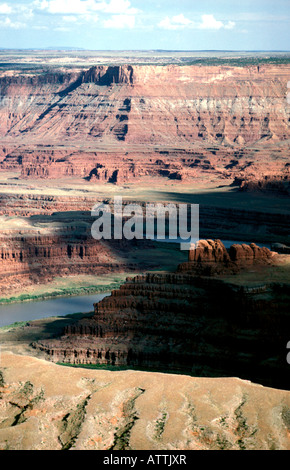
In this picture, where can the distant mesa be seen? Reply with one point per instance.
(123, 123)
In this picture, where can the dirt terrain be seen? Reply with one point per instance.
(101, 410)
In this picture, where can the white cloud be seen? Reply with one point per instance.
(90, 18)
(176, 22)
(230, 25)
(8, 23)
(181, 22)
(66, 6)
(209, 22)
(122, 7)
(120, 22)
(26, 12)
(5, 9)
(70, 19)
(84, 7)
(118, 13)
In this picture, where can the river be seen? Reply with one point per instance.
(59, 307)
(28, 311)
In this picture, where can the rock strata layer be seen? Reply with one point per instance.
(32, 259)
(122, 123)
(188, 323)
(211, 257)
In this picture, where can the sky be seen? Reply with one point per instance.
(146, 25)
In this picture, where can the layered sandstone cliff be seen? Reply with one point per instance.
(187, 322)
(210, 257)
(40, 256)
(133, 104)
(118, 123)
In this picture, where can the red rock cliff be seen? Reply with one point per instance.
(185, 322)
(134, 115)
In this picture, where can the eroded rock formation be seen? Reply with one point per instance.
(119, 123)
(210, 257)
(216, 103)
(187, 322)
(279, 185)
(125, 411)
(70, 251)
(27, 205)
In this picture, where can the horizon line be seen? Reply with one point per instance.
(79, 49)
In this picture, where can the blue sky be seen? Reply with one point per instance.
(136, 24)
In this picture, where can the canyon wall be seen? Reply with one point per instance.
(29, 205)
(39, 258)
(149, 104)
(188, 323)
(119, 123)
(218, 217)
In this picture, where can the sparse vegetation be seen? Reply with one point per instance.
(160, 425)
(243, 430)
(286, 416)
(43, 62)
(240, 61)
(14, 326)
(69, 292)
(2, 383)
(122, 435)
(71, 425)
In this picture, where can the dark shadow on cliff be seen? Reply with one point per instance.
(235, 215)
(51, 327)
(223, 215)
(61, 245)
(230, 198)
(144, 254)
(193, 324)
(198, 326)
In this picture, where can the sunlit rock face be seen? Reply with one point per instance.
(119, 123)
(209, 257)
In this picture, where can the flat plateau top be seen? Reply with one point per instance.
(34, 59)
